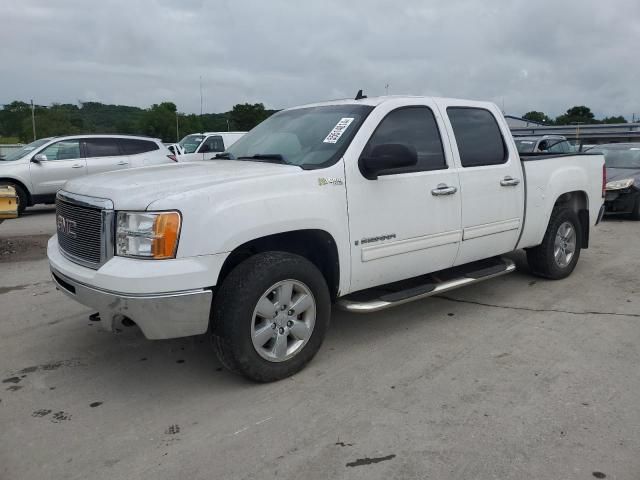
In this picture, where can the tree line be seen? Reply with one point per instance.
(157, 121)
(574, 116)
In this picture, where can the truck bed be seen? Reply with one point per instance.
(547, 177)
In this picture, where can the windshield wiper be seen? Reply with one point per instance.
(266, 157)
(223, 155)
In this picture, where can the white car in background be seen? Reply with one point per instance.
(38, 170)
(204, 146)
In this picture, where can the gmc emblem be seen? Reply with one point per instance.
(66, 226)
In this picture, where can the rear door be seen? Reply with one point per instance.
(492, 187)
(406, 222)
(104, 155)
(142, 152)
(64, 161)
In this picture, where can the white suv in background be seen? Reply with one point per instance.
(38, 170)
(204, 146)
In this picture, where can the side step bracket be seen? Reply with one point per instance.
(381, 298)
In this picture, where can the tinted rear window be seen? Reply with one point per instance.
(133, 146)
(478, 136)
(102, 147)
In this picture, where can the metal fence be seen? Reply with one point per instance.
(582, 135)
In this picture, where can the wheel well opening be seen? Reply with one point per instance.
(317, 246)
(577, 201)
(18, 184)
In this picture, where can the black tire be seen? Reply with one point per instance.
(233, 309)
(541, 259)
(23, 198)
(635, 213)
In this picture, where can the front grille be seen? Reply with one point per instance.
(80, 232)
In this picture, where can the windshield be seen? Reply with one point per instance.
(27, 149)
(525, 146)
(190, 142)
(628, 157)
(308, 137)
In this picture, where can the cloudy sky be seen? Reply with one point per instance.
(531, 54)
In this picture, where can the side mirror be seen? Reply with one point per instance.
(385, 157)
(41, 157)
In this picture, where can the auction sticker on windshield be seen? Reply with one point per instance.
(338, 130)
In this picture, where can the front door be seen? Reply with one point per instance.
(491, 179)
(64, 161)
(406, 222)
(213, 144)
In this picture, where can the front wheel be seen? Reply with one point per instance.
(270, 316)
(558, 254)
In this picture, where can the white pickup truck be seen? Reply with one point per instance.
(365, 203)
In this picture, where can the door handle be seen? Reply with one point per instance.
(77, 166)
(443, 189)
(509, 181)
(123, 163)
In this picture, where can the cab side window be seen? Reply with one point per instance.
(478, 137)
(63, 150)
(413, 127)
(102, 147)
(212, 144)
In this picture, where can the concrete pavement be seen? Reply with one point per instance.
(513, 378)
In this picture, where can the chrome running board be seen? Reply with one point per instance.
(355, 303)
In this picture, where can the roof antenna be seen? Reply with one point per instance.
(359, 95)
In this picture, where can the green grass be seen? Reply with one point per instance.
(9, 140)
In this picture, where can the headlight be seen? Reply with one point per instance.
(620, 184)
(148, 234)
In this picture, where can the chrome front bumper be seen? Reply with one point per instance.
(165, 315)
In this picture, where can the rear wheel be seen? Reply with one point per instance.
(270, 316)
(558, 254)
(23, 199)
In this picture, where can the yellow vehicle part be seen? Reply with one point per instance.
(8, 202)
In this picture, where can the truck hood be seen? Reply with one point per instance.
(136, 188)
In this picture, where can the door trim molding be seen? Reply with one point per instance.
(375, 252)
(490, 229)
